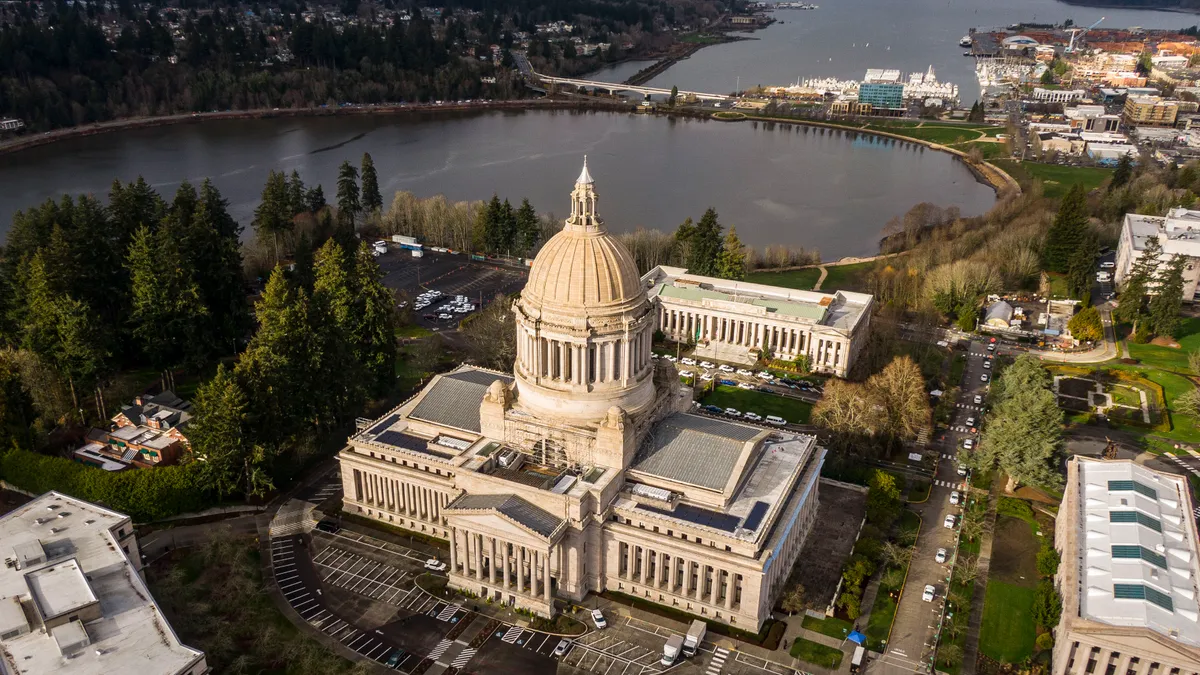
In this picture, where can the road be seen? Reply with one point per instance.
(916, 621)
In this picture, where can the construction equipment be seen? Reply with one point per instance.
(1077, 36)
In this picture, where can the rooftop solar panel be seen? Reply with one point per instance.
(754, 518)
(399, 440)
(699, 516)
(378, 428)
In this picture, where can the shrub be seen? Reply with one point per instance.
(1047, 560)
(1044, 642)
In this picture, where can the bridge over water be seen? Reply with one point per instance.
(613, 87)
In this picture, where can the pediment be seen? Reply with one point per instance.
(495, 525)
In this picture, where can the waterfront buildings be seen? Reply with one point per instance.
(584, 469)
(1178, 234)
(882, 95)
(1150, 110)
(1128, 574)
(740, 322)
(72, 597)
(1059, 95)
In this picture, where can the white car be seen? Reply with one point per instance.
(670, 358)
(1107, 265)
(686, 373)
(745, 373)
(927, 596)
(962, 469)
(970, 421)
(776, 420)
(978, 399)
(706, 364)
(733, 412)
(724, 368)
(940, 556)
(983, 377)
(950, 522)
(435, 565)
(955, 497)
(745, 385)
(653, 355)
(991, 348)
(764, 375)
(599, 620)
(969, 444)
(561, 648)
(688, 361)
(444, 316)
(753, 417)
(987, 365)
(707, 377)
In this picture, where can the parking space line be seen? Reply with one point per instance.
(356, 640)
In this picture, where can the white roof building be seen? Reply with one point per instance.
(1179, 235)
(1129, 570)
(72, 598)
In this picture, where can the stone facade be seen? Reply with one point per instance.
(583, 470)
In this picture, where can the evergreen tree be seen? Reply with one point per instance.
(1123, 172)
(184, 204)
(347, 193)
(1168, 298)
(372, 200)
(506, 229)
(487, 223)
(302, 258)
(1024, 433)
(218, 435)
(1080, 265)
(333, 311)
(374, 329)
(132, 206)
(213, 255)
(315, 198)
(731, 262)
(296, 195)
(1067, 232)
(704, 244)
(529, 228)
(1137, 284)
(271, 218)
(166, 312)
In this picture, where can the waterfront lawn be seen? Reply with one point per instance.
(816, 653)
(1056, 179)
(1007, 633)
(802, 279)
(848, 277)
(831, 626)
(987, 149)
(1171, 358)
(942, 135)
(790, 409)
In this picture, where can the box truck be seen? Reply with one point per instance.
(671, 649)
(695, 636)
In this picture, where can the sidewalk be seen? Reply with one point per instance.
(971, 644)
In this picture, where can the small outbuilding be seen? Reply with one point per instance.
(998, 315)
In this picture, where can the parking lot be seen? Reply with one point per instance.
(452, 275)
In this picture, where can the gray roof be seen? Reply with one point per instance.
(512, 507)
(999, 310)
(693, 449)
(453, 400)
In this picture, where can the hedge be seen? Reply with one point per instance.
(143, 494)
(768, 637)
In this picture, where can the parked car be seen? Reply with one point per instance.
(707, 364)
(969, 444)
(983, 377)
(940, 556)
(745, 385)
(686, 373)
(978, 399)
(753, 417)
(1107, 265)
(327, 525)
(688, 361)
(955, 497)
(706, 377)
(561, 648)
(727, 383)
(744, 373)
(395, 659)
(714, 410)
(599, 620)
(435, 565)
(970, 421)
(950, 522)
(987, 365)
(962, 469)
(930, 591)
(775, 420)
(733, 412)
(653, 355)
(725, 368)
(991, 347)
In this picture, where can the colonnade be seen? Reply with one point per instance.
(494, 561)
(682, 324)
(585, 362)
(1083, 658)
(695, 579)
(415, 501)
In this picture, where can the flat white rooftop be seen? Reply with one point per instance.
(1138, 543)
(84, 560)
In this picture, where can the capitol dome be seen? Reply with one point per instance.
(584, 323)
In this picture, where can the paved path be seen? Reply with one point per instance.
(163, 541)
(971, 644)
(821, 279)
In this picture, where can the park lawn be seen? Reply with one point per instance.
(802, 279)
(942, 135)
(1184, 428)
(1056, 179)
(1007, 633)
(987, 149)
(831, 626)
(1123, 395)
(790, 409)
(847, 277)
(816, 653)
(1058, 285)
(879, 624)
(1170, 358)
(413, 331)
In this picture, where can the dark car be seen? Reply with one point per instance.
(395, 659)
(727, 383)
(714, 410)
(329, 526)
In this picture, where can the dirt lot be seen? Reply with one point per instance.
(819, 565)
(1014, 553)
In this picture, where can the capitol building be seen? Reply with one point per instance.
(585, 469)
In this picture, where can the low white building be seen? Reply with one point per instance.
(1178, 233)
(72, 597)
(1093, 118)
(1059, 95)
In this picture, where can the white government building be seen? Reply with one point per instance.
(72, 597)
(1179, 235)
(1128, 576)
(584, 469)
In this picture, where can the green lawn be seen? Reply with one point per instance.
(847, 277)
(816, 653)
(987, 149)
(413, 331)
(1170, 358)
(799, 279)
(1184, 428)
(1057, 179)
(1123, 395)
(956, 369)
(879, 624)
(831, 626)
(1007, 633)
(1058, 285)
(790, 409)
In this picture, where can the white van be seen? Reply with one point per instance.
(776, 420)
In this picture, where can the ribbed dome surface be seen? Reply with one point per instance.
(577, 269)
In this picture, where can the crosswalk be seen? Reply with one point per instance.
(512, 634)
(947, 484)
(440, 649)
(289, 524)
(448, 612)
(969, 406)
(718, 661)
(463, 658)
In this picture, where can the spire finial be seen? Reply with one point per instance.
(585, 178)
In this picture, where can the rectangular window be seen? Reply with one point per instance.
(1141, 592)
(1128, 551)
(1135, 517)
(1127, 485)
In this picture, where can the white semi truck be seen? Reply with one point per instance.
(695, 635)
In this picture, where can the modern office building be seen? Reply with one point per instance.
(1150, 111)
(72, 597)
(882, 94)
(1128, 576)
(584, 469)
(739, 322)
(1178, 234)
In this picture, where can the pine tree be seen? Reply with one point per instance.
(1168, 298)
(487, 223)
(347, 193)
(1068, 230)
(529, 228)
(166, 312)
(1080, 265)
(374, 331)
(315, 198)
(506, 230)
(334, 320)
(1123, 172)
(271, 217)
(213, 255)
(184, 204)
(295, 192)
(731, 262)
(705, 245)
(217, 433)
(1137, 284)
(132, 206)
(372, 200)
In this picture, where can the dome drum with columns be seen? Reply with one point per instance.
(584, 323)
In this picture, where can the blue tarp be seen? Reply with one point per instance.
(857, 637)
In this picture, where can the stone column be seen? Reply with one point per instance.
(629, 563)
(454, 550)
(732, 588)
(521, 570)
(645, 565)
(546, 576)
(492, 562)
(504, 557)
(674, 573)
(660, 570)
(478, 555)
